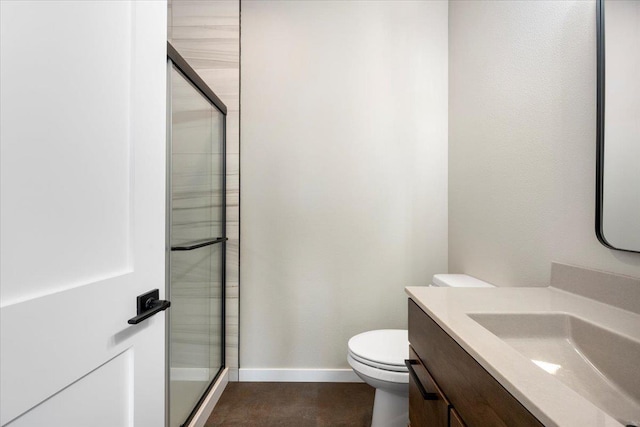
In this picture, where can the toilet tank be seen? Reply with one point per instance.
(458, 281)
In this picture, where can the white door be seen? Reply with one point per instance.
(82, 117)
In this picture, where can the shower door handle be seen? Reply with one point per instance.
(147, 305)
(198, 244)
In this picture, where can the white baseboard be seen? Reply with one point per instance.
(233, 375)
(299, 375)
(210, 401)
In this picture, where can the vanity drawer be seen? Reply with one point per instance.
(477, 397)
(427, 404)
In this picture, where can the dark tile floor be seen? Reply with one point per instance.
(294, 404)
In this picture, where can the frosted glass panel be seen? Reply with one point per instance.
(196, 279)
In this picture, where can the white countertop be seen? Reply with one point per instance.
(544, 395)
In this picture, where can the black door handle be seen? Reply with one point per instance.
(147, 305)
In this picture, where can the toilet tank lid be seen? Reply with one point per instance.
(459, 281)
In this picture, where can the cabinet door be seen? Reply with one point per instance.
(427, 404)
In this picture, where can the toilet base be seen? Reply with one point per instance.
(390, 409)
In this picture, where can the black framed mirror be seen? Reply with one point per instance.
(618, 124)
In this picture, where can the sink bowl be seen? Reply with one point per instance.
(599, 364)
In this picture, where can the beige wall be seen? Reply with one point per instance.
(522, 81)
(344, 172)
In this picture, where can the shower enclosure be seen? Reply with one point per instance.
(196, 238)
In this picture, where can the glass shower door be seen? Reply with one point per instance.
(197, 240)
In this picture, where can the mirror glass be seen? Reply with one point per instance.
(618, 215)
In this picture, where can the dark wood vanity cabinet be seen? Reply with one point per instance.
(454, 418)
(454, 389)
(427, 404)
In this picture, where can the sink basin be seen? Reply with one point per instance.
(599, 364)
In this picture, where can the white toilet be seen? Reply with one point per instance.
(378, 358)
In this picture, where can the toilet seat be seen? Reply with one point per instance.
(379, 365)
(384, 349)
(377, 373)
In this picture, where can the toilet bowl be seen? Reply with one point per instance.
(377, 357)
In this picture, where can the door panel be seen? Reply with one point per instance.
(79, 405)
(64, 100)
(82, 125)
